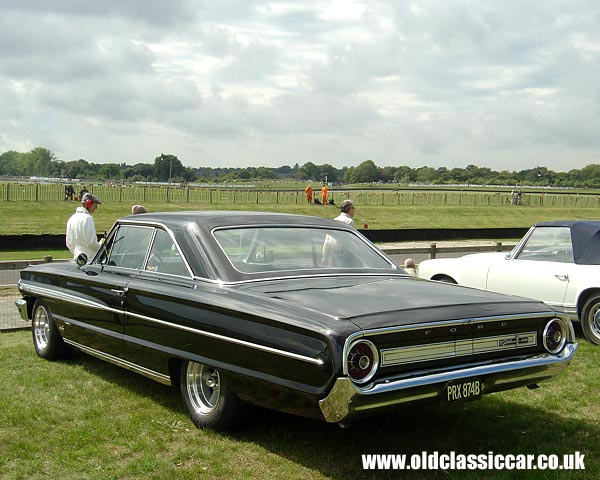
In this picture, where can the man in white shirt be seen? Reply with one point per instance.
(331, 246)
(347, 212)
(81, 229)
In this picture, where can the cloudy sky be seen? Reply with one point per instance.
(508, 84)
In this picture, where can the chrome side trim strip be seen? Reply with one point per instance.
(159, 377)
(46, 292)
(458, 348)
(66, 297)
(237, 341)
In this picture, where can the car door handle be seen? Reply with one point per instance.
(564, 277)
(118, 291)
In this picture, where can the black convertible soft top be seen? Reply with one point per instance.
(585, 236)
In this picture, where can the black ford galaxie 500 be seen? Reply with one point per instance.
(293, 313)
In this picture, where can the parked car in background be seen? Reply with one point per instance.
(556, 262)
(294, 313)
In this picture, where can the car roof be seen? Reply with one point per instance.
(204, 222)
(209, 219)
(585, 237)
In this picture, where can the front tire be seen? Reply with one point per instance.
(47, 341)
(590, 319)
(208, 398)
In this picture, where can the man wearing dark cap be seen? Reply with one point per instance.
(81, 229)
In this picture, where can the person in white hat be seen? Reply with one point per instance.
(81, 229)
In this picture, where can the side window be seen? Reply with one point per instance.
(128, 247)
(165, 257)
(548, 244)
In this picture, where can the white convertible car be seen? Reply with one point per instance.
(556, 262)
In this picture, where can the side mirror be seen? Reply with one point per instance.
(81, 260)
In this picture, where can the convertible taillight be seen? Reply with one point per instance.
(362, 361)
(555, 336)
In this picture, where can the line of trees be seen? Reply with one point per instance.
(167, 167)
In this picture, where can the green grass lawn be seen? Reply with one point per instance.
(18, 218)
(83, 418)
(51, 217)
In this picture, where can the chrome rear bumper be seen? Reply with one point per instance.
(346, 400)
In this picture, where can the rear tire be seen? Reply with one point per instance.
(590, 319)
(208, 398)
(47, 341)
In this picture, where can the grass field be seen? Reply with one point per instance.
(83, 418)
(50, 217)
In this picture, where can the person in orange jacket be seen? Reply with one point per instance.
(324, 194)
(309, 193)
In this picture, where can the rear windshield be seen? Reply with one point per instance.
(265, 249)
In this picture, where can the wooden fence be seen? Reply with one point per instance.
(36, 192)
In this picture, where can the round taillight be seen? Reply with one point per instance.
(555, 336)
(362, 361)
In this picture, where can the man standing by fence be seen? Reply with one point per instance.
(324, 194)
(81, 229)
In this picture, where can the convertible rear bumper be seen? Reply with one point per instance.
(346, 400)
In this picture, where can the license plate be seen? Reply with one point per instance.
(461, 390)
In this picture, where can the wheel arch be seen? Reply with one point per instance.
(583, 297)
(443, 277)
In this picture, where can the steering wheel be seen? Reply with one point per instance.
(133, 257)
(154, 262)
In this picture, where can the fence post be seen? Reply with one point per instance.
(432, 250)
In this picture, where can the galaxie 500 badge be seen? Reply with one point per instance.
(470, 389)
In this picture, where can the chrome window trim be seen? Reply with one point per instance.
(154, 227)
(51, 293)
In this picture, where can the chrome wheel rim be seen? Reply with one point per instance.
(595, 321)
(203, 388)
(41, 328)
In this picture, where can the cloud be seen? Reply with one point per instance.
(439, 83)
